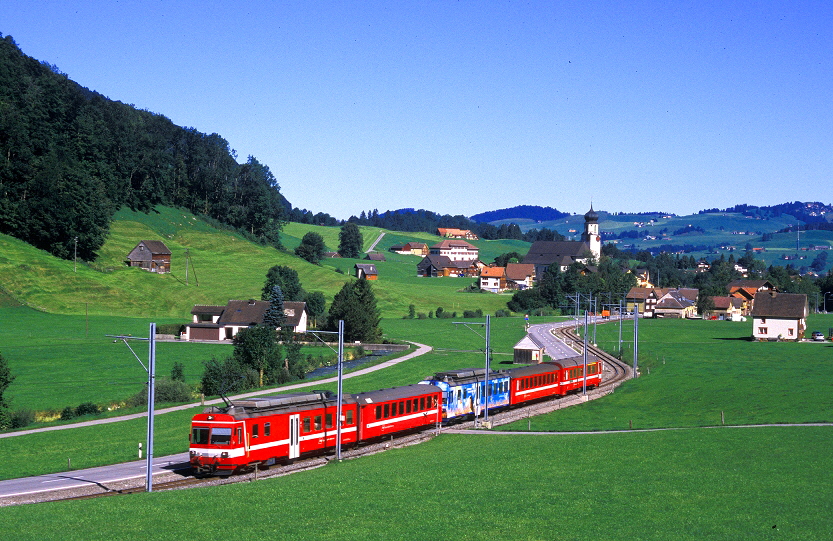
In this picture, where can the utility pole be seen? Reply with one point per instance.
(75, 256)
(635, 342)
(339, 400)
(151, 370)
(584, 371)
(485, 395)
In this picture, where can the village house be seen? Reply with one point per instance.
(779, 316)
(456, 250)
(150, 255)
(440, 265)
(211, 322)
(366, 270)
(746, 291)
(725, 308)
(519, 276)
(676, 303)
(411, 248)
(493, 279)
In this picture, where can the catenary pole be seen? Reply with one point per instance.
(340, 373)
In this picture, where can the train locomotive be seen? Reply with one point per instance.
(266, 430)
(262, 431)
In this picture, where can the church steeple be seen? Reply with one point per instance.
(591, 232)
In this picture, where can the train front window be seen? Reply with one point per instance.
(220, 435)
(200, 436)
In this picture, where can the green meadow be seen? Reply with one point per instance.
(698, 480)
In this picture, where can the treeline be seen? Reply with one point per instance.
(72, 157)
(809, 212)
(421, 220)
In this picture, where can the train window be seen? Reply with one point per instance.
(317, 422)
(416, 404)
(393, 409)
(200, 435)
(349, 417)
(220, 435)
(255, 431)
(387, 411)
(422, 403)
(401, 408)
(378, 412)
(239, 435)
(307, 424)
(329, 420)
(408, 406)
(267, 430)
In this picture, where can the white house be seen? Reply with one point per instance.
(779, 316)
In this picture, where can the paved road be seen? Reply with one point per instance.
(553, 346)
(375, 242)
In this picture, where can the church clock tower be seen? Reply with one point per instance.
(591, 233)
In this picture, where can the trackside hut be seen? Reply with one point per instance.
(779, 316)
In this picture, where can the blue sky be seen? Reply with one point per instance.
(464, 107)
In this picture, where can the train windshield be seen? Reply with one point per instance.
(220, 436)
(200, 436)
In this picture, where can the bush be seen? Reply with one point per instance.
(227, 377)
(87, 408)
(170, 328)
(67, 413)
(422, 315)
(502, 313)
(22, 418)
(178, 372)
(473, 313)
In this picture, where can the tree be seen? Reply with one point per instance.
(350, 241)
(316, 306)
(311, 248)
(275, 316)
(257, 347)
(226, 377)
(356, 305)
(287, 279)
(6, 379)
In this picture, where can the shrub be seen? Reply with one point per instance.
(178, 372)
(170, 328)
(87, 408)
(502, 313)
(22, 418)
(67, 413)
(422, 315)
(473, 313)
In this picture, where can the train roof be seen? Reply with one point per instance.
(571, 362)
(396, 393)
(268, 405)
(466, 375)
(533, 370)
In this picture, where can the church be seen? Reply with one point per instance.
(542, 254)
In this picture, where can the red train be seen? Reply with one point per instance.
(266, 430)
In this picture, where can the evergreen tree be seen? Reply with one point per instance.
(350, 241)
(257, 347)
(275, 316)
(356, 305)
(316, 306)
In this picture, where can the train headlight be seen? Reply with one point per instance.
(223, 455)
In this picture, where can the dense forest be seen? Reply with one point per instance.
(72, 157)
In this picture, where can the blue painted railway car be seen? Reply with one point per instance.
(464, 391)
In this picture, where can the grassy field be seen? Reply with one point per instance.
(740, 484)
(695, 371)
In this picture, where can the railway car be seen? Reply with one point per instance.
(464, 391)
(267, 430)
(398, 409)
(572, 373)
(534, 382)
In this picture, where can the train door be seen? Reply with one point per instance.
(294, 436)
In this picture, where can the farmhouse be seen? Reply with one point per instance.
(410, 248)
(451, 233)
(519, 275)
(455, 250)
(151, 255)
(746, 291)
(725, 308)
(211, 322)
(779, 316)
(493, 279)
(676, 303)
(440, 265)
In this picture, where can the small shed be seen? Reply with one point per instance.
(528, 351)
(151, 255)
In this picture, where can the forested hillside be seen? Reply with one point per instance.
(72, 157)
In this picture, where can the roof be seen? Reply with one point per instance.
(243, 312)
(493, 272)
(519, 271)
(780, 305)
(155, 247)
(375, 256)
(452, 232)
(757, 284)
(396, 393)
(294, 311)
(466, 375)
(367, 268)
(528, 342)
(448, 244)
(641, 293)
(209, 309)
(546, 252)
(725, 303)
(532, 370)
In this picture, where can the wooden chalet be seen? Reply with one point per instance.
(440, 265)
(151, 255)
(366, 270)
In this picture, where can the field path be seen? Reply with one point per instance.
(422, 349)
(375, 242)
